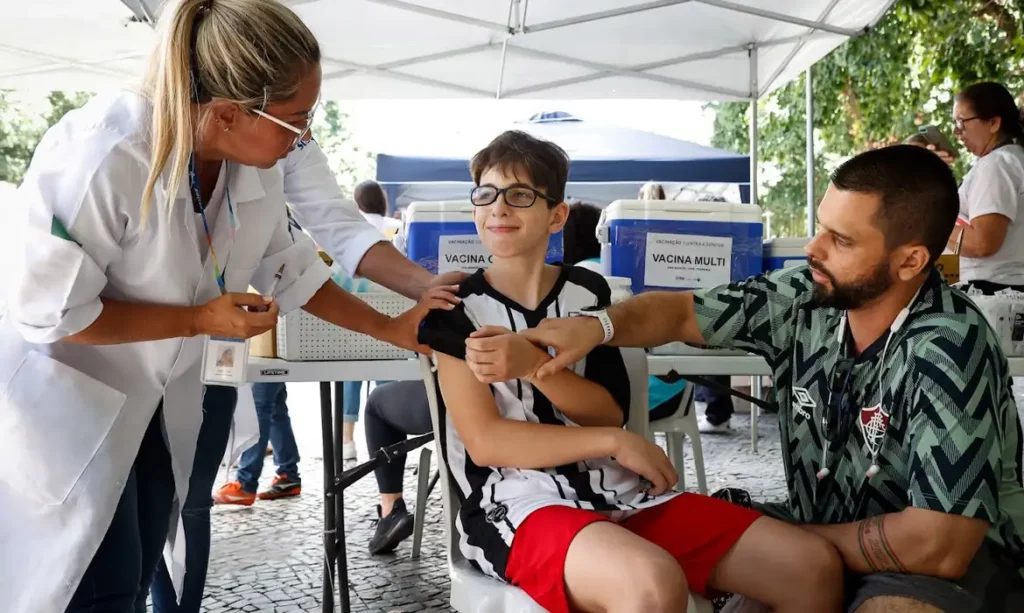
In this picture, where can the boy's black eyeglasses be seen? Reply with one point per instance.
(838, 416)
(518, 196)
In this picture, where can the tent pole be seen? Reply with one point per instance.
(753, 123)
(809, 82)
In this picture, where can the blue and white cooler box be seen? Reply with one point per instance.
(441, 237)
(782, 253)
(673, 245)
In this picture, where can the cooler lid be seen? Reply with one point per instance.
(444, 206)
(667, 209)
(790, 242)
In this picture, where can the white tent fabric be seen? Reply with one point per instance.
(543, 49)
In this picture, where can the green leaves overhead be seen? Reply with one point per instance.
(876, 90)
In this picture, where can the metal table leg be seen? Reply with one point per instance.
(330, 527)
(339, 498)
(757, 393)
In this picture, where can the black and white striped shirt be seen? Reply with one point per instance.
(496, 501)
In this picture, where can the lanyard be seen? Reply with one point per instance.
(193, 180)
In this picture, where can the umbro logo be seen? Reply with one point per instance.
(497, 513)
(803, 403)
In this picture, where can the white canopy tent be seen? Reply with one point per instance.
(541, 49)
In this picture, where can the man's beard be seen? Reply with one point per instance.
(851, 296)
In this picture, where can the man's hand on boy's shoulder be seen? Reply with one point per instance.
(496, 354)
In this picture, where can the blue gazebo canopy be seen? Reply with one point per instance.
(608, 163)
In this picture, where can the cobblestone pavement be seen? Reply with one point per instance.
(268, 557)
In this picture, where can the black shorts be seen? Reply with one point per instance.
(992, 583)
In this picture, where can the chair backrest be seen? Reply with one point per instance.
(449, 499)
(635, 361)
(639, 401)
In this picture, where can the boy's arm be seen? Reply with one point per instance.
(497, 354)
(492, 440)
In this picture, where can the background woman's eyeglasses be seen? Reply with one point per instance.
(517, 196)
(960, 122)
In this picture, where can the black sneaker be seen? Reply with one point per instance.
(391, 530)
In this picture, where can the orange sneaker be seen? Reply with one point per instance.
(232, 493)
(281, 487)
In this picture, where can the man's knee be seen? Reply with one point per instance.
(821, 561)
(895, 604)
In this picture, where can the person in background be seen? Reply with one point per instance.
(651, 191)
(276, 429)
(717, 406)
(373, 204)
(580, 246)
(990, 234)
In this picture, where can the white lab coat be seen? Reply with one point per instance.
(72, 416)
(336, 224)
(338, 227)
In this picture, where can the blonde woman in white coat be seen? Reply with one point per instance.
(121, 278)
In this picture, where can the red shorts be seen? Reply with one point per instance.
(697, 530)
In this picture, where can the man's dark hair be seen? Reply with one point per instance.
(546, 163)
(370, 198)
(917, 192)
(579, 236)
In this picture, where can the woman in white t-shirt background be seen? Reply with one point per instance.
(990, 234)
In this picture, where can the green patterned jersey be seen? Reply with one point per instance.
(938, 413)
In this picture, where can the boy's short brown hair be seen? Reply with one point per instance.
(512, 151)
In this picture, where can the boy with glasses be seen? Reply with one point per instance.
(556, 498)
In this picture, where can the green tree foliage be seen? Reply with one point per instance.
(875, 90)
(23, 123)
(349, 162)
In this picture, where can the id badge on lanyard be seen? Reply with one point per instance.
(225, 361)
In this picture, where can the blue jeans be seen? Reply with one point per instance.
(218, 412)
(276, 427)
(351, 391)
(119, 575)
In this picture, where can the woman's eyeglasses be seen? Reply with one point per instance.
(960, 122)
(302, 134)
(517, 196)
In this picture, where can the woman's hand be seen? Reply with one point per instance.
(945, 156)
(496, 354)
(227, 316)
(645, 459)
(402, 331)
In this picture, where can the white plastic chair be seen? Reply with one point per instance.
(471, 590)
(683, 423)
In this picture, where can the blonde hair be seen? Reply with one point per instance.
(250, 52)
